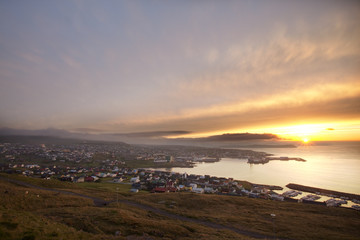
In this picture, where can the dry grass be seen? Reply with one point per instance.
(293, 220)
(28, 213)
(41, 214)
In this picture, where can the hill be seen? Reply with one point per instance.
(27, 212)
(50, 140)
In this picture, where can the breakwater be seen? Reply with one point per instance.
(322, 191)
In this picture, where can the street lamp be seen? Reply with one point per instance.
(273, 215)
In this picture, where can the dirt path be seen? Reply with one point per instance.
(100, 202)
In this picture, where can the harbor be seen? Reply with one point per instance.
(320, 191)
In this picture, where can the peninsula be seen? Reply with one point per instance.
(268, 159)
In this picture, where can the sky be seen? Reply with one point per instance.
(186, 68)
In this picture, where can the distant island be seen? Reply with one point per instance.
(268, 159)
(269, 146)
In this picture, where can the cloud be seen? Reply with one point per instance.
(256, 117)
(87, 130)
(70, 62)
(317, 101)
(212, 56)
(155, 134)
(140, 68)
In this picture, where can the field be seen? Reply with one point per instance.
(31, 213)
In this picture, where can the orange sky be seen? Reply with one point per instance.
(290, 68)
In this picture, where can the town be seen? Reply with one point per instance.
(92, 162)
(121, 163)
(110, 154)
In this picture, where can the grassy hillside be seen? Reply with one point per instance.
(29, 213)
(293, 220)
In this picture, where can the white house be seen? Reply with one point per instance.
(209, 190)
(117, 180)
(193, 185)
(135, 180)
(198, 190)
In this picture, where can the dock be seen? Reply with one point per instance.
(323, 191)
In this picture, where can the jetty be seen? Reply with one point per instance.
(321, 191)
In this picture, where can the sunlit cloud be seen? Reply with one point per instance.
(143, 67)
(292, 99)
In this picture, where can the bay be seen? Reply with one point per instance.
(330, 165)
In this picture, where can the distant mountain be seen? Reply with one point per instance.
(41, 132)
(268, 146)
(49, 136)
(38, 139)
(152, 138)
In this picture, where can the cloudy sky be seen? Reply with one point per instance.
(200, 67)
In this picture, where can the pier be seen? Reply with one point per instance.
(323, 191)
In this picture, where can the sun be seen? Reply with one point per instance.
(305, 140)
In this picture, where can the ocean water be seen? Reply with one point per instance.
(331, 165)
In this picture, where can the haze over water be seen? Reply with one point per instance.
(335, 166)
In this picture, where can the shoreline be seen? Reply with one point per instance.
(268, 159)
(322, 191)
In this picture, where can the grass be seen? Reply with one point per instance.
(52, 183)
(103, 189)
(27, 213)
(293, 220)
(40, 214)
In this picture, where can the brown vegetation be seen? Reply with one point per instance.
(28, 213)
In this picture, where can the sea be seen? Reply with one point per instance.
(329, 165)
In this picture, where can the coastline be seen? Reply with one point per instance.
(322, 191)
(268, 159)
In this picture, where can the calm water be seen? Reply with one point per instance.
(335, 166)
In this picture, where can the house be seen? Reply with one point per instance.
(198, 190)
(95, 178)
(159, 190)
(89, 179)
(65, 178)
(277, 197)
(117, 180)
(135, 180)
(209, 190)
(78, 179)
(193, 185)
(172, 189)
(101, 174)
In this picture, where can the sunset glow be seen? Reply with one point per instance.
(194, 119)
(182, 71)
